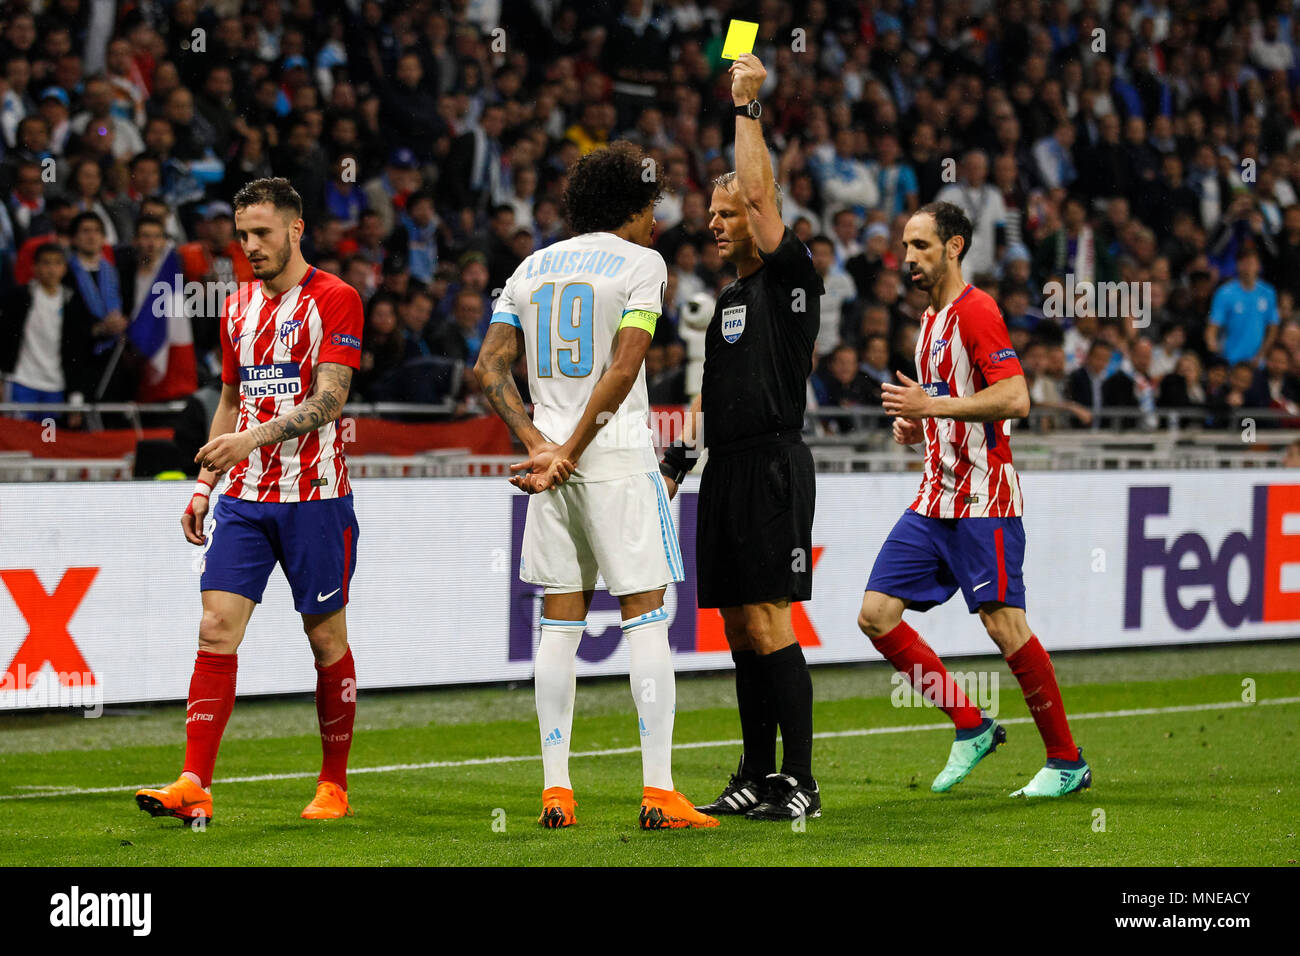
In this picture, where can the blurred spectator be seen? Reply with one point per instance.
(1245, 308)
(1276, 389)
(874, 360)
(982, 202)
(45, 336)
(665, 371)
(845, 181)
(461, 338)
(843, 385)
(1233, 395)
(419, 228)
(1183, 387)
(97, 100)
(387, 193)
(382, 345)
(693, 227)
(417, 326)
(839, 291)
(1165, 356)
(1085, 386)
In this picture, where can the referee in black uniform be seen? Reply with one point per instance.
(754, 537)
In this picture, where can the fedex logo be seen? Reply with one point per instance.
(48, 642)
(1190, 561)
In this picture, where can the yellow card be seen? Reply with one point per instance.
(740, 39)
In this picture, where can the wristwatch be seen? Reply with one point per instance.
(753, 109)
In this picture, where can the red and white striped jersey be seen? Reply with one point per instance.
(968, 470)
(270, 347)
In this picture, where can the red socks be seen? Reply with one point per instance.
(1033, 668)
(336, 709)
(212, 698)
(907, 651)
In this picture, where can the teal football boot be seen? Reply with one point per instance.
(966, 753)
(1058, 778)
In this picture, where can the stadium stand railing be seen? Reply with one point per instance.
(1244, 438)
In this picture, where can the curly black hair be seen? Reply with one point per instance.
(609, 187)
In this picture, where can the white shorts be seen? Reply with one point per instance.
(621, 530)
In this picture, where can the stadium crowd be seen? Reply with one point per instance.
(1153, 145)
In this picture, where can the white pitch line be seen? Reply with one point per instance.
(696, 745)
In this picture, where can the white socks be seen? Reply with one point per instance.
(555, 681)
(654, 688)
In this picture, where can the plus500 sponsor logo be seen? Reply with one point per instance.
(262, 381)
(1190, 561)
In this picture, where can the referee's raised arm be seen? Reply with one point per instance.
(757, 188)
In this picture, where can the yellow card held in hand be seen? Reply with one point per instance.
(740, 39)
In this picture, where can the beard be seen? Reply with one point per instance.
(926, 280)
(274, 264)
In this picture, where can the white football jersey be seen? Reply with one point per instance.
(569, 299)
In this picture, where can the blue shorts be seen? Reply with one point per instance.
(314, 541)
(925, 560)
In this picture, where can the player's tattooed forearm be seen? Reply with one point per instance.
(324, 405)
(496, 358)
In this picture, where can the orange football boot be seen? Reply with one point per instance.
(668, 809)
(330, 803)
(558, 808)
(185, 800)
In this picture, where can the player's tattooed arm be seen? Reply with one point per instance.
(501, 348)
(329, 392)
(325, 403)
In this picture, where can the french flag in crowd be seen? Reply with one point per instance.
(160, 331)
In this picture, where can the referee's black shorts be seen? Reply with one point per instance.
(754, 532)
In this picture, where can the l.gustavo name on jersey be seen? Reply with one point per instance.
(270, 381)
(733, 322)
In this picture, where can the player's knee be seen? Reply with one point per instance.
(1005, 630)
(876, 617)
(218, 633)
(737, 636)
(328, 644)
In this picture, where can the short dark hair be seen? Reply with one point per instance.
(82, 218)
(149, 221)
(820, 238)
(45, 248)
(276, 190)
(950, 221)
(607, 188)
(145, 157)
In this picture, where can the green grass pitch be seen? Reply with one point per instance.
(1190, 785)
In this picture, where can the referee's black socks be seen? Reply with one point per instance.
(757, 717)
(789, 686)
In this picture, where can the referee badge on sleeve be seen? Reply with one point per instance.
(733, 322)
